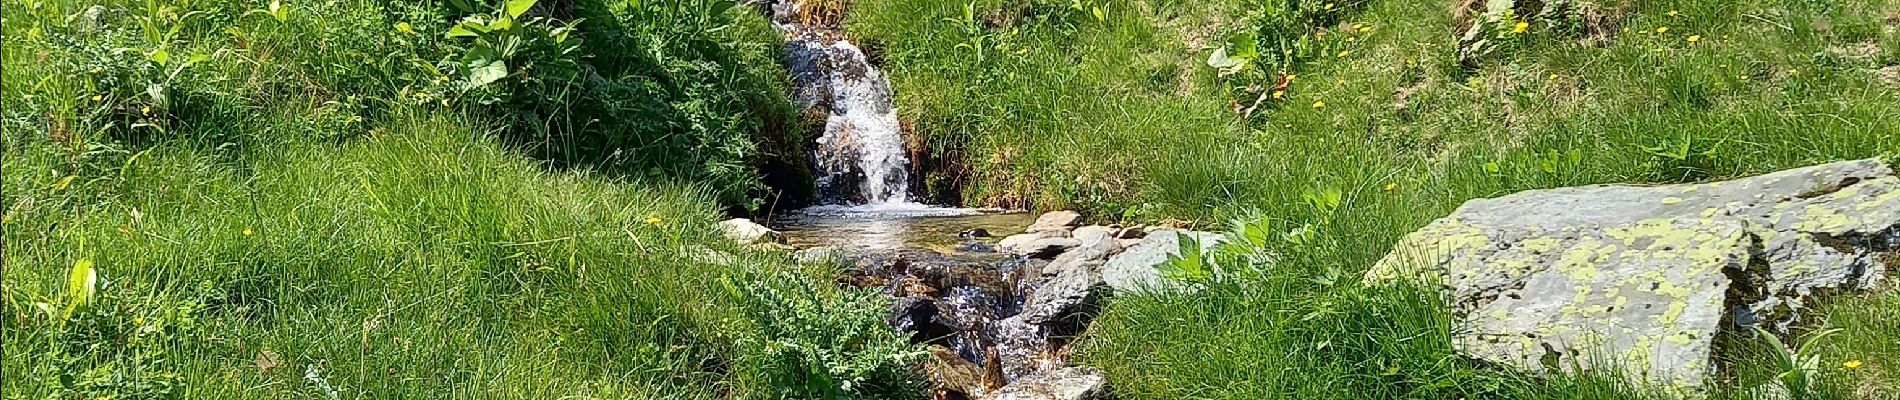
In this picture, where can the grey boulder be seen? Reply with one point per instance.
(1639, 276)
(1134, 270)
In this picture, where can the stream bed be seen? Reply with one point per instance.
(951, 289)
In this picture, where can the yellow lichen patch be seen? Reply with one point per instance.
(1681, 338)
(1671, 200)
(1669, 317)
(1822, 218)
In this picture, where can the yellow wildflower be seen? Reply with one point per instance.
(1329, 6)
(247, 231)
(1662, 30)
(1277, 94)
(98, 97)
(1343, 54)
(653, 220)
(1365, 28)
(1794, 72)
(1319, 104)
(1389, 186)
(1694, 38)
(1673, 13)
(1855, 364)
(1521, 27)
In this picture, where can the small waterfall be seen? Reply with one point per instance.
(860, 158)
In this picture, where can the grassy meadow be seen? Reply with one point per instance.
(1360, 121)
(325, 200)
(358, 199)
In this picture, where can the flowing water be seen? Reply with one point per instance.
(951, 289)
(860, 158)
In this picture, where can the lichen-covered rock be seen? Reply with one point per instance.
(745, 231)
(1072, 383)
(819, 255)
(1134, 269)
(1609, 275)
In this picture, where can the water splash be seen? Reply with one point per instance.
(861, 157)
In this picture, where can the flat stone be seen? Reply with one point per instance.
(1638, 276)
(745, 231)
(1134, 269)
(1092, 233)
(1055, 221)
(1019, 244)
(1072, 383)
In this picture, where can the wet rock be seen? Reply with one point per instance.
(745, 231)
(1134, 269)
(1055, 221)
(974, 233)
(1069, 296)
(1022, 348)
(918, 315)
(1072, 383)
(951, 375)
(1640, 276)
(819, 255)
(976, 247)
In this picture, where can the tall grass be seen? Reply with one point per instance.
(1119, 116)
(316, 206)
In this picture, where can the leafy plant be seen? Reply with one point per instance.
(1798, 367)
(820, 345)
(502, 37)
(1681, 160)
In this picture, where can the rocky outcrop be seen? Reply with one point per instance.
(745, 231)
(1645, 277)
(1135, 269)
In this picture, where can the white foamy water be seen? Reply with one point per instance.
(860, 158)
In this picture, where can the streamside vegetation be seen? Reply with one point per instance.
(375, 200)
(360, 199)
(1335, 127)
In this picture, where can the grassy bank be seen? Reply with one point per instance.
(1379, 128)
(234, 199)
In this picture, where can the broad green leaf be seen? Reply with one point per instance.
(484, 66)
(278, 11)
(160, 56)
(81, 284)
(518, 7)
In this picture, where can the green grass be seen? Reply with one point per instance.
(317, 208)
(314, 209)
(1118, 117)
